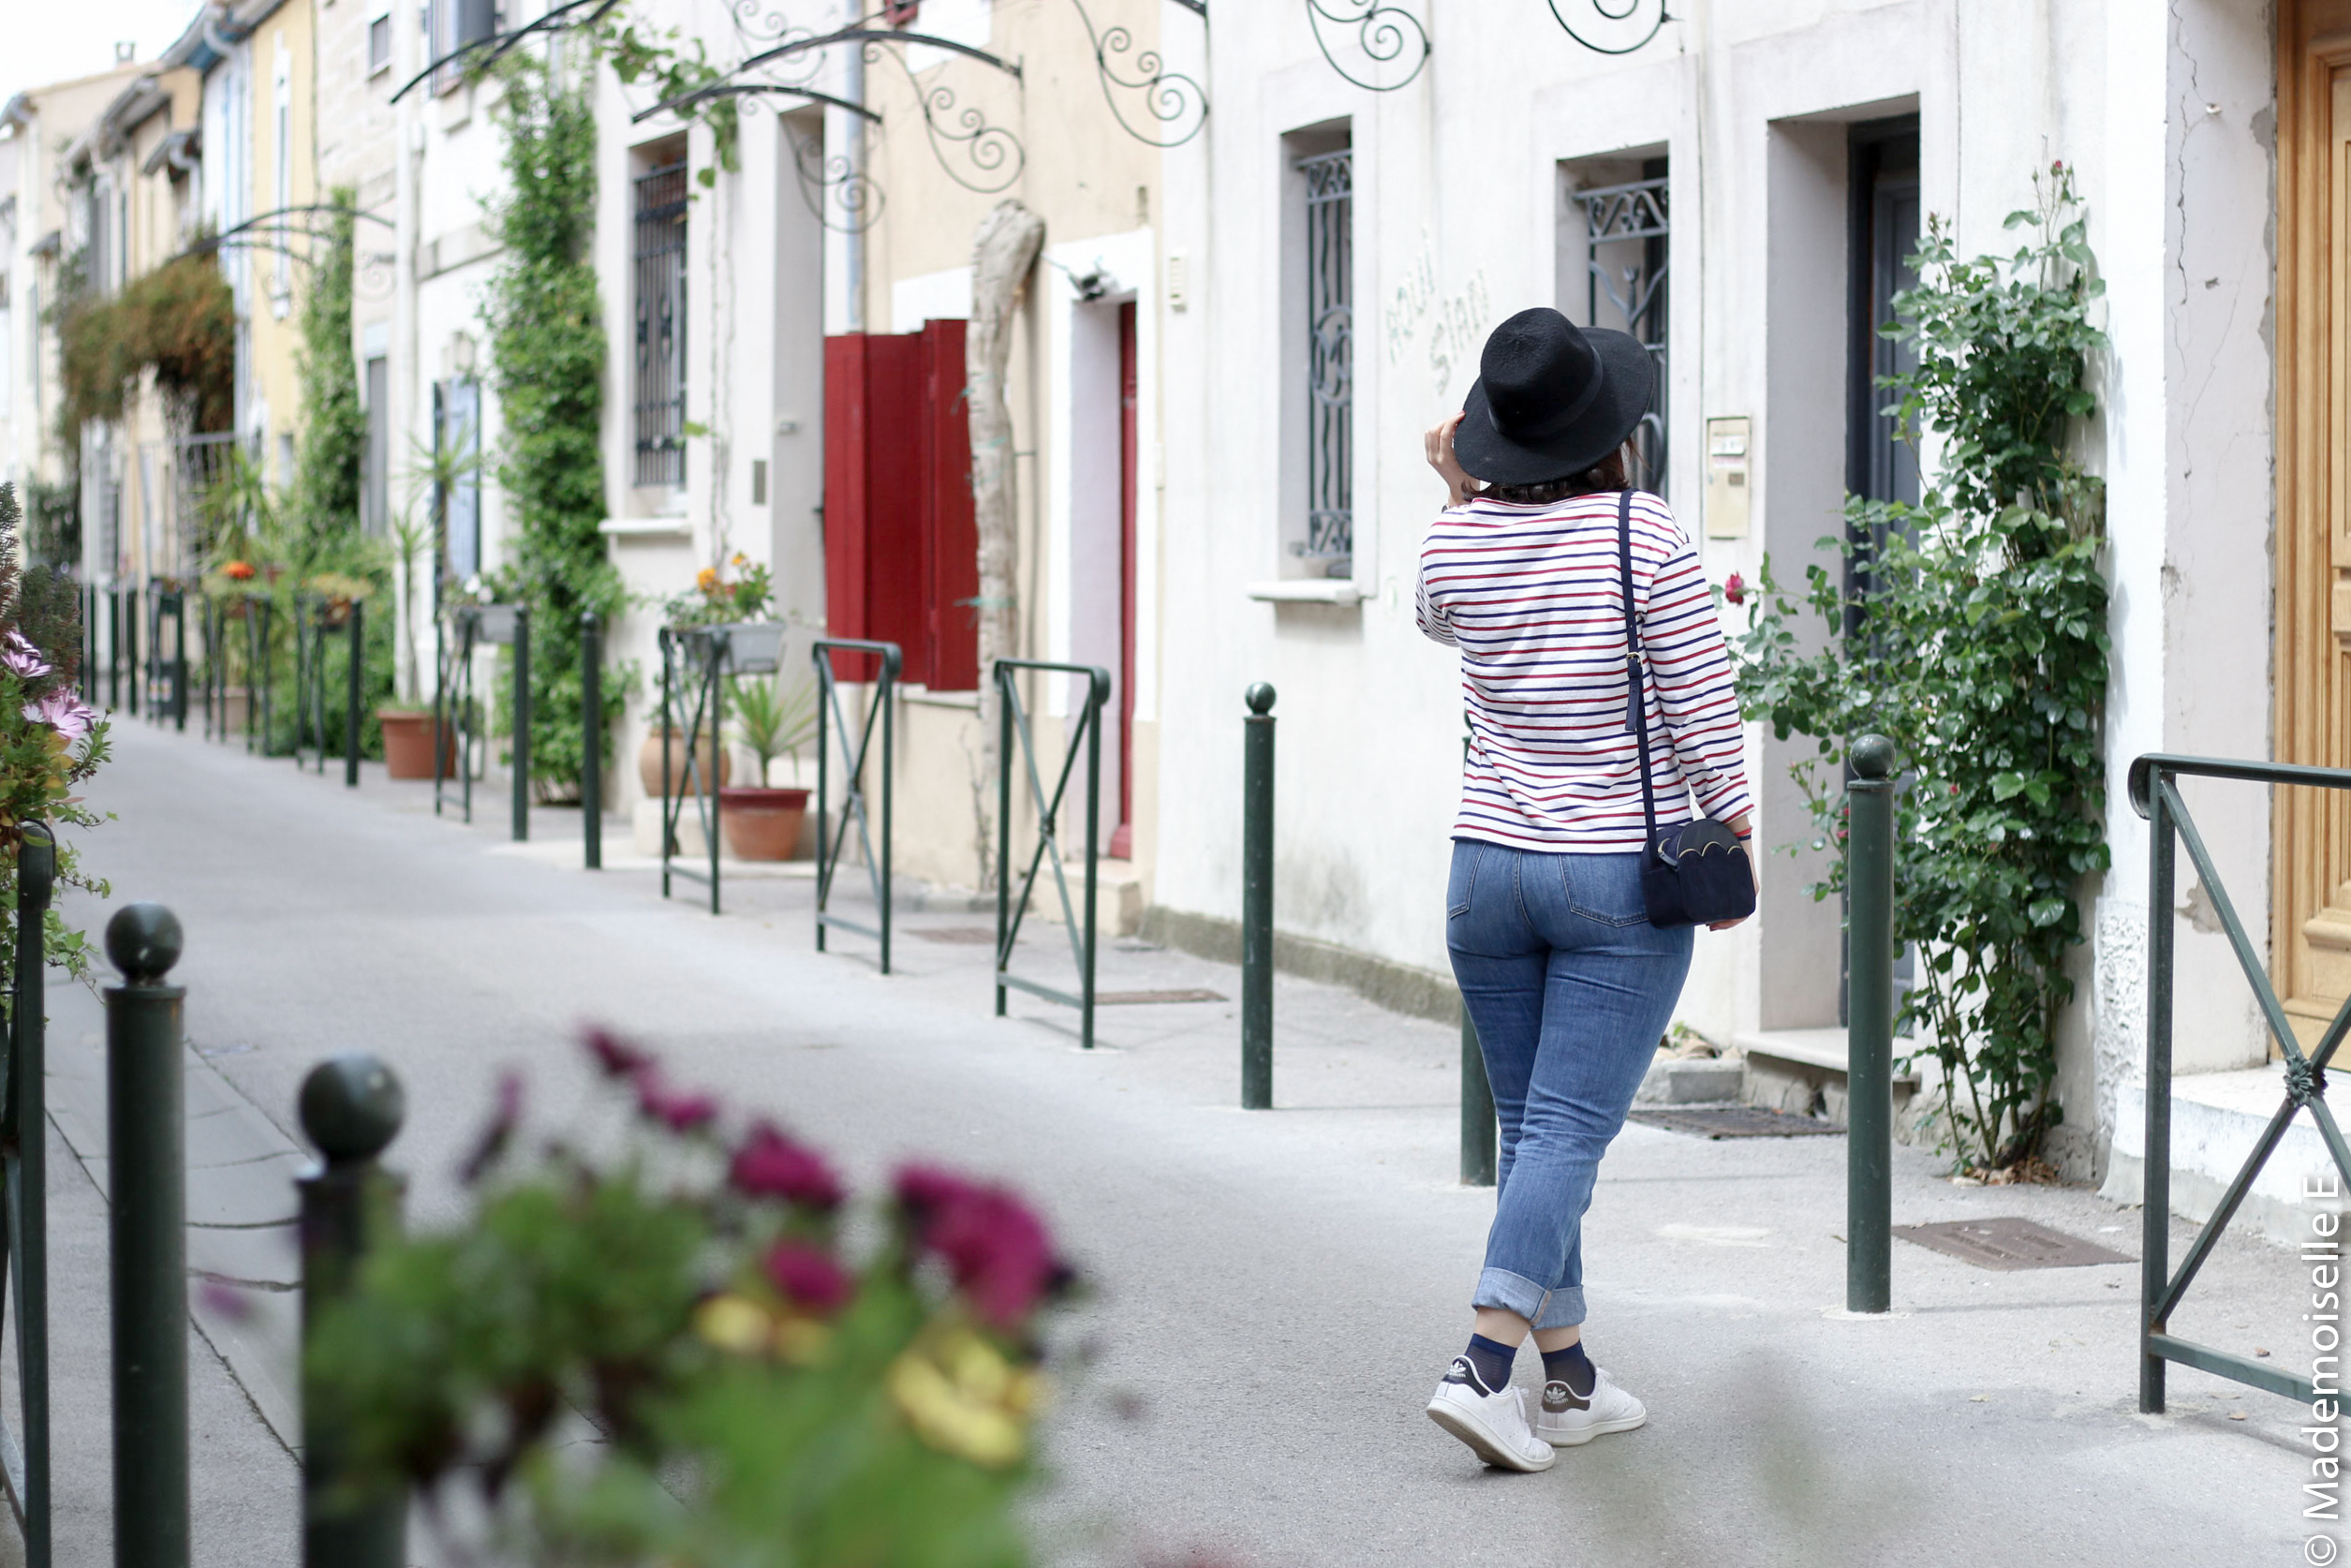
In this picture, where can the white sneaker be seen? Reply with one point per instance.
(1493, 1424)
(1566, 1420)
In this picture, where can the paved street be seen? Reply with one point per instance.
(1275, 1294)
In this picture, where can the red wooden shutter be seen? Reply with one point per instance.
(845, 493)
(952, 546)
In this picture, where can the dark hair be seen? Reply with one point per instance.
(1610, 473)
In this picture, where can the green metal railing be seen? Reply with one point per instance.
(260, 683)
(693, 689)
(592, 740)
(856, 743)
(1870, 1026)
(23, 1173)
(2156, 798)
(1086, 730)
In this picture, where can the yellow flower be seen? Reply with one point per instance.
(963, 1398)
(802, 1341)
(740, 560)
(734, 1323)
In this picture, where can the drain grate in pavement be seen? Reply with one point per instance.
(2009, 1243)
(965, 936)
(1139, 999)
(1733, 1122)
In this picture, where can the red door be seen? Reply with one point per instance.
(1122, 841)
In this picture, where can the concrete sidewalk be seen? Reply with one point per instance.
(1274, 1293)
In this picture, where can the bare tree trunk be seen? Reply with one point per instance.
(1003, 257)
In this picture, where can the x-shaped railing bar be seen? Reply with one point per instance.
(856, 744)
(453, 705)
(706, 649)
(2157, 799)
(1086, 730)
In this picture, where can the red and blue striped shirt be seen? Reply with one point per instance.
(1531, 596)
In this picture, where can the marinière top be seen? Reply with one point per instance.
(1530, 594)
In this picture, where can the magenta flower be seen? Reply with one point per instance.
(491, 1147)
(807, 1277)
(63, 712)
(617, 1059)
(1735, 588)
(21, 659)
(993, 1247)
(679, 1111)
(771, 1165)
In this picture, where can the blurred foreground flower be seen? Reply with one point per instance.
(691, 1296)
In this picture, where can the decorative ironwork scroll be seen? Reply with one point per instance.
(1385, 33)
(562, 19)
(993, 154)
(1173, 99)
(1627, 231)
(660, 325)
(1330, 261)
(750, 89)
(835, 185)
(1625, 17)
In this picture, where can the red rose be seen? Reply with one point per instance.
(1735, 588)
(993, 1247)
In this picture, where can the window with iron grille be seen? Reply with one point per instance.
(1626, 233)
(1330, 426)
(661, 378)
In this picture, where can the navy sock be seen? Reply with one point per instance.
(1490, 1362)
(1570, 1367)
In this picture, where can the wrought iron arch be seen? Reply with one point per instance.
(835, 182)
(995, 154)
(1174, 99)
(1384, 32)
(557, 21)
(1628, 12)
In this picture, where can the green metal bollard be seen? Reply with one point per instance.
(351, 696)
(1478, 1133)
(149, 1255)
(352, 1107)
(522, 723)
(1870, 1029)
(592, 739)
(25, 1150)
(1257, 900)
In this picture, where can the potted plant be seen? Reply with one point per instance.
(773, 1381)
(716, 598)
(763, 822)
(407, 723)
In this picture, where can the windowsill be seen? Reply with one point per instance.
(1308, 591)
(924, 695)
(647, 528)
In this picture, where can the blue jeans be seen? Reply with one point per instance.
(1571, 988)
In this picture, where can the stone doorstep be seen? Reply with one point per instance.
(1118, 897)
(1691, 1081)
(2216, 1119)
(1791, 1070)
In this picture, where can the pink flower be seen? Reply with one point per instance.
(63, 712)
(1735, 588)
(21, 659)
(770, 1165)
(993, 1247)
(617, 1059)
(807, 1277)
(491, 1147)
(678, 1111)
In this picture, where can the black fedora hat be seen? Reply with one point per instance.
(1552, 399)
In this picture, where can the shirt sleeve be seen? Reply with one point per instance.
(1436, 622)
(1690, 668)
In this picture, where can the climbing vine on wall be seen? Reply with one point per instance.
(1972, 629)
(325, 500)
(547, 347)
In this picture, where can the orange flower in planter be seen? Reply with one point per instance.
(238, 571)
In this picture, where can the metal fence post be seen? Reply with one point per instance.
(24, 1148)
(352, 1107)
(522, 722)
(1479, 1134)
(147, 1193)
(1004, 689)
(1869, 1028)
(1257, 900)
(179, 660)
(592, 739)
(2154, 1266)
(351, 697)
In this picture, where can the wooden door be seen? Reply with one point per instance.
(2311, 914)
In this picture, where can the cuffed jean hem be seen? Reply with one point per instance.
(1514, 1293)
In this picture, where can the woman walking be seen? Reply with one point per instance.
(1571, 691)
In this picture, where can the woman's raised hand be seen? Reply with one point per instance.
(1459, 486)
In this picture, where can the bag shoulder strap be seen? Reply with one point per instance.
(1635, 719)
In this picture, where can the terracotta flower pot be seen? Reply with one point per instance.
(649, 769)
(761, 823)
(408, 745)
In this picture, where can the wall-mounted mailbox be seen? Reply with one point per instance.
(1729, 485)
